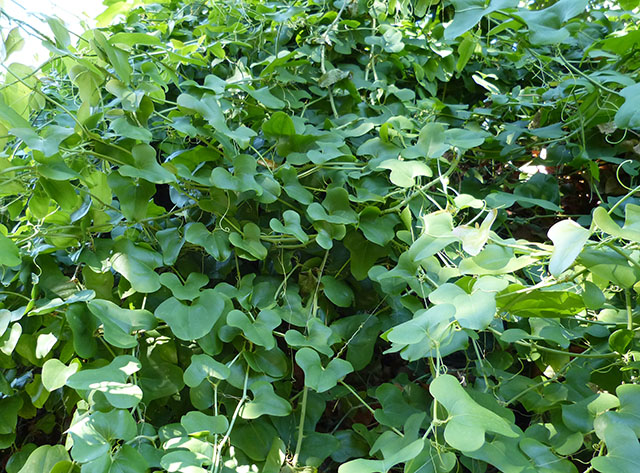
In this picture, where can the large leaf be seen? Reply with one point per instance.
(468, 421)
(190, 322)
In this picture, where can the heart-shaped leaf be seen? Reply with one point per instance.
(111, 380)
(190, 322)
(259, 331)
(119, 323)
(204, 367)
(196, 422)
(191, 288)
(215, 243)
(317, 377)
(265, 402)
(137, 264)
(291, 226)
(404, 173)
(319, 337)
(55, 373)
(468, 421)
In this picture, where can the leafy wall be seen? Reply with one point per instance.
(297, 236)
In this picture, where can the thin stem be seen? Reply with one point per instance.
(303, 413)
(364, 403)
(557, 352)
(236, 412)
(623, 254)
(428, 185)
(627, 300)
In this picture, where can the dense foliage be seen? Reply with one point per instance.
(280, 236)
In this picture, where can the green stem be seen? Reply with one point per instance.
(303, 412)
(428, 185)
(623, 254)
(627, 300)
(557, 352)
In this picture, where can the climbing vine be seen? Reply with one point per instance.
(353, 236)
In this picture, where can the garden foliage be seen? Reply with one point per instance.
(285, 236)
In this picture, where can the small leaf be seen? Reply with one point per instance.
(137, 264)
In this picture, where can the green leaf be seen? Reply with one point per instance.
(545, 25)
(123, 127)
(196, 422)
(623, 448)
(403, 173)
(133, 195)
(568, 240)
(191, 288)
(9, 252)
(540, 303)
(264, 96)
(170, 243)
(259, 331)
(249, 242)
(470, 12)
(215, 243)
(629, 411)
(280, 124)
(135, 39)
(337, 291)
(319, 337)
(50, 141)
(377, 228)
(44, 458)
(291, 226)
(474, 238)
(474, 311)
(55, 373)
(242, 179)
(204, 367)
(92, 434)
(465, 51)
(430, 333)
(317, 377)
(631, 228)
(362, 465)
(335, 208)
(118, 58)
(137, 264)
(628, 115)
(119, 324)
(112, 381)
(437, 233)
(468, 421)
(265, 402)
(146, 166)
(190, 322)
